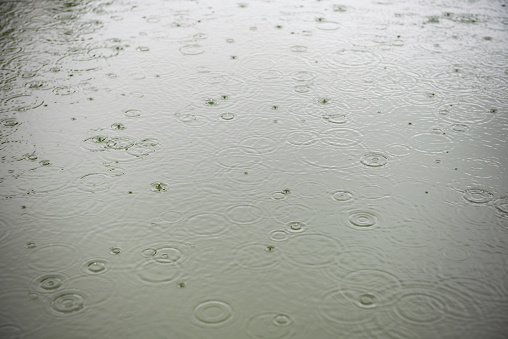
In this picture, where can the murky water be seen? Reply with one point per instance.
(256, 169)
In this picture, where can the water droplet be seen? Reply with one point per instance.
(95, 266)
(373, 159)
(158, 187)
(213, 313)
(227, 116)
(132, 113)
(271, 325)
(296, 226)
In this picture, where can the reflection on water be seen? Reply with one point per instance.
(260, 169)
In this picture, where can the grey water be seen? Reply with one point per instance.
(254, 169)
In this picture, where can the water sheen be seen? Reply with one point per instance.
(254, 169)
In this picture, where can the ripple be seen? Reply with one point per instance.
(191, 49)
(425, 303)
(278, 235)
(337, 158)
(288, 212)
(370, 288)
(94, 182)
(171, 216)
(68, 303)
(335, 307)
(412, 233)
(466, 113)
(298, 49)
(228, 116)
(95, 266)
(312, 250)
(302, 138)
(431, 143)
(262, 145)
(53, 257)
(398, 150)
(96, 143)
(20, 103)
(132, 113)
(207, 224)
(327, 25)
(374, 159)
(478, 195)
(303, 76)
(355, 57)
(154, 273)
(363, 219)
(341, 137)
(358, 257)
(338, 119)
(252, 178)
(43, 179)
(309, 189)
(245, 214)
(271, 325)
(49, 283)
(212, 313)
(258, 63)
(501, 204)
(342, 195)
(237, 157)
(144, 147)
(256, 256)
(97, 289)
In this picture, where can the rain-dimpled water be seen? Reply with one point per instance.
(258, 169)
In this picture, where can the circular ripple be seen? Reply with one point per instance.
(352, 57)
(43, 179)
(358, 256)
(256, 256)
(155, 273)
(95, 266)
(271, 325)
(243, 157)
(263, 145)
(68, 303)
(53, 257)
(336, 307)
(341, 137)
(168, 253)
(296, 227)
(278, 235)
(212, 313)
(309, 189)
(431, 143)
(412, 233)
(191, 49)
(501, 205)
(302, 138)
(207, 224)
(478, 195)
(258, 63)
(342, 195)
(21, 103)
(96, 143)
(338, 119)
(363, 219)
(144, 147)
(373, 159)
(466, 113)
(303, 76)
(245, 214)
(327, 25)
(312, 250)
(49, 283)
(94, 182)
(289, 212)
(158, 187)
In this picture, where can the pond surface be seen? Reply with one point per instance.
(256, 169)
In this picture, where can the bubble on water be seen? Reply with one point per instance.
(132, 113)
(68, 302)
(341, 137)
(256, 256)
(327, 25)
(363, 219)
(271, 325)
(303, 76)
(302, 138)
(49, 283)
(298, 49)
(374, 159)
(342, 195)
(312, 250)
(278, 235)
(158, 187)
(478, 195)
(212, 313)
(95, 266)
(207, 224)
(432, 143)
(245, 214)
(94, 182)
(52, 257)
(296, 227)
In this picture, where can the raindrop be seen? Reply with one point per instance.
(478, 195)
(49, 283)
(342, 195)
(336, 118)
(95, 266)
(432, 143)
(363, 219)
(271, 325)
(212, 313)
(155, 273)
(296, 226)
(278, 235)
(158, 187)
(68, 303)
(132, 113)
(373, 159)
(227, 116)
(53, 257)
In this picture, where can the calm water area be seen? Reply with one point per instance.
(262, 169)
